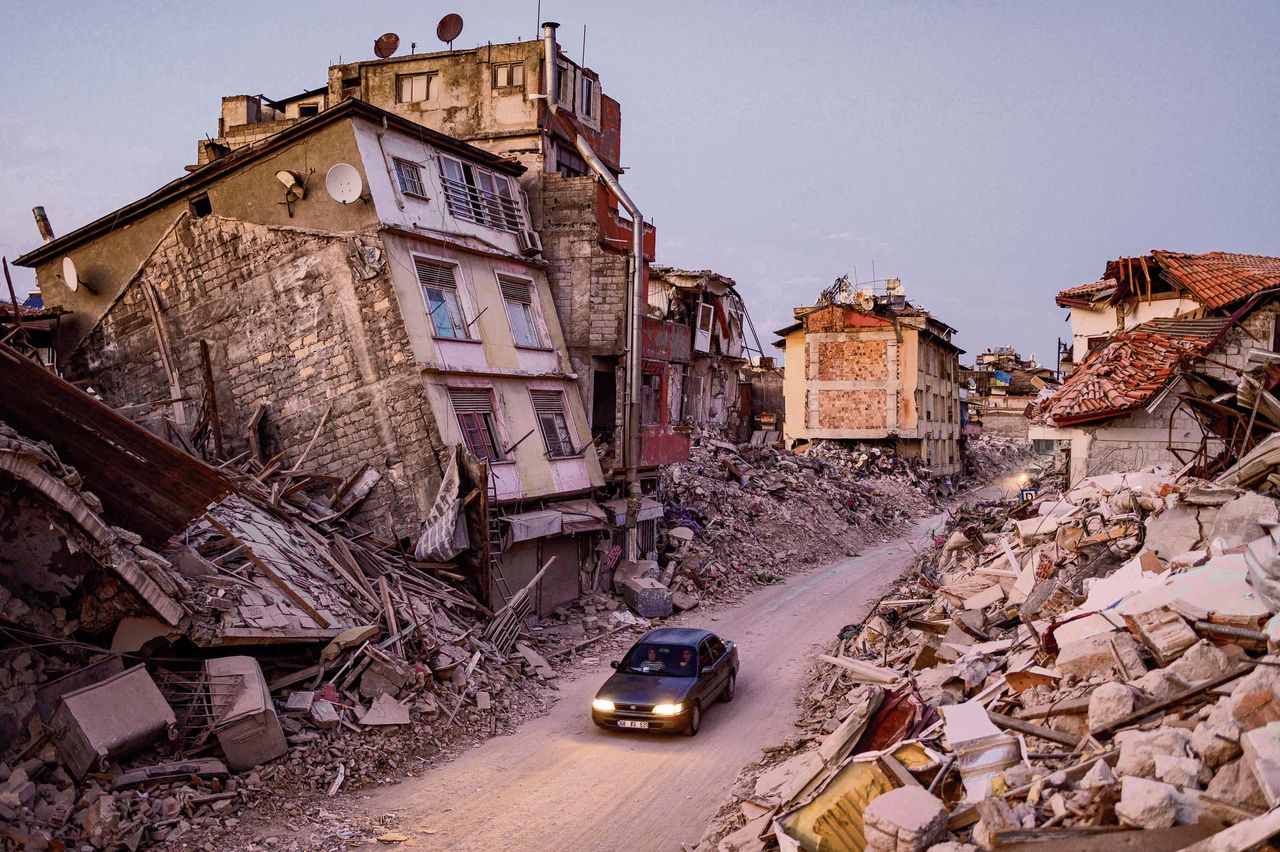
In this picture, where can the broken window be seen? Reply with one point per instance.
(588, 106)
(675, 392)
(200, 206)
(548, 407)
(410, 178)
(564, 85)
(507, 75)
(415, 88)
(518, 297)
(308, 110)
(474, 407)
(650, 399)
(479, 195)
(440, 292)
(569, 164)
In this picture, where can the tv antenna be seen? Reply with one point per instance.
(449, 28)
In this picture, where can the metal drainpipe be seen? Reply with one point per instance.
(635, 296)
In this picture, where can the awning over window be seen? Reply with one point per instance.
(529, 525)
(650, 509)
(582, 516)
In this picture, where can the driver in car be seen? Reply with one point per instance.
(651, 662)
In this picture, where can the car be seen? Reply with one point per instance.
(666, 681)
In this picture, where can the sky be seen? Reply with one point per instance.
(987, 154)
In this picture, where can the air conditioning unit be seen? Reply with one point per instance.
(529, 242)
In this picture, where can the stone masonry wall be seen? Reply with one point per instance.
(292, 324)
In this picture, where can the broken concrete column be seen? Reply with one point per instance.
(1146, 804)
(908, 819)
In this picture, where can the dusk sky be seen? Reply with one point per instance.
(986, 154)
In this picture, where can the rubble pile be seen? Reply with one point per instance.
(1069, 668)
(990, 457)
(735, 512)
(269, 647)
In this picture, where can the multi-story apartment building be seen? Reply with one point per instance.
(868, 367)
(498, 98)
(354, 283)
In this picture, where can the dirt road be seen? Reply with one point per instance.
(562, 784)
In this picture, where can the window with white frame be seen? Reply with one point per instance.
(548, 407)
(587, 104)
(517, 295)
(508, 74)
(410, 178)
(440, 292)
(474, 408)
(415, 88)
(479, 195)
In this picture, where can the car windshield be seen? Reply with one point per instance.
(657, 659)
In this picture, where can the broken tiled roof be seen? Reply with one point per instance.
(1086, 292)
(1220, 278)
(1121, 376)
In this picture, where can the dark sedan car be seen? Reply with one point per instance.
(666, 681)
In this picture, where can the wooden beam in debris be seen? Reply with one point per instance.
(1172, 701)
(299, 599)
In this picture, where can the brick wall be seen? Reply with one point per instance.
(853, 360)
(851, 409)
(291, 325)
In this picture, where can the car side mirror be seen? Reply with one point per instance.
(615, 663)
(707, 669)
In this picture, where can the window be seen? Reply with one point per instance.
(564, 85)
(200, 206)
(650, 397)
(479, 195)
(569, 164)
(474, 407)
(518, 298)
(548, 407)
(308, 110)
(588, 104)
(440, 292)
(415, 88)
(508, 75)
(410, 178)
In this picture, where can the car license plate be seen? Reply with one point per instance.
(627, 723)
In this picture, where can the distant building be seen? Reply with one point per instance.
(1002, 387)
(868, 367)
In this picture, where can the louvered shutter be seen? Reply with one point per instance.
(471, 401)
(516, 291)
(431, 274)
(547, 402)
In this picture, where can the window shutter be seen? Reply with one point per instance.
(431, 274)
(547, 402)
(471, 400)
(516, 291)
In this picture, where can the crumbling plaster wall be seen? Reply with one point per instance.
(290, 324)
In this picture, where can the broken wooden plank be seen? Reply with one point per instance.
(863, 672)
(299, 599)
(1032, 729)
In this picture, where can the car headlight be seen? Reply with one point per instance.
(667, 709)
(604, 705)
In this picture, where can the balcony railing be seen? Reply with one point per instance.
(483, 208)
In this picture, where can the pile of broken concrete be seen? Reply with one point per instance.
(743, 515)
(1069, 669)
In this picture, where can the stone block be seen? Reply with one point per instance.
(1138, 749)
(907, 819)
(1110, 702)
(1087, 657)
(1146, 804)
(1238, 521)
(647, 597)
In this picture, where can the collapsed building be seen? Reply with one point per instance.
(863, 366)
(1161, 344)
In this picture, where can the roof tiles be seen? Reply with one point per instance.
(1220, 278)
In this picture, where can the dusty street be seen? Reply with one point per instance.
(560, 783)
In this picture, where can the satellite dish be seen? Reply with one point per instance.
(69, 275)
(344, 183)
(386, 45)
(449, 28)
(293, 184)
